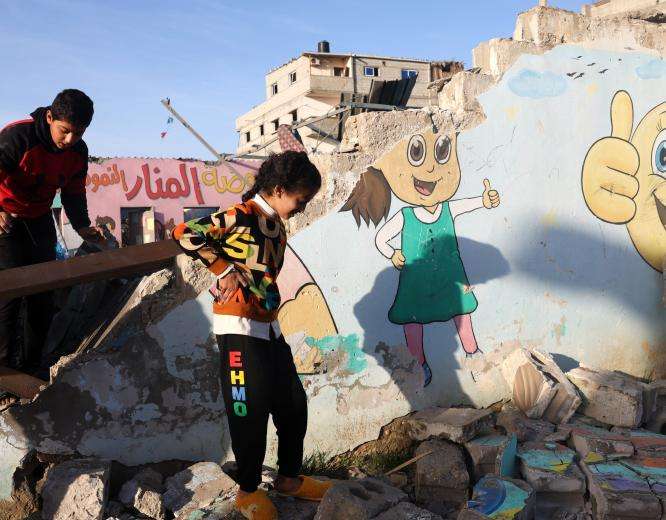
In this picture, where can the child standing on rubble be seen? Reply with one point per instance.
(244, 247)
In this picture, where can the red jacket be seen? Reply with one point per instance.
(32, 169)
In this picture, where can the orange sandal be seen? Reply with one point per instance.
(256, 506)
(311, 489)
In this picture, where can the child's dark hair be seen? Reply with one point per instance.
(73, 106)
(292, 171)
(370, 199)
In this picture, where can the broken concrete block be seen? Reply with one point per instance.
(655, 406)
(144, 493)
(610, 397)
(462, 90)
(500, 497)
(532, 389)
(566, 400)
(648, 444)
(515, 422)
(441, 476)
(76, 490)
(552, 472)
(455, 424)
(595, 444)
(617, 492)
(493, 455)
(408, 511)
(195, 487)
(358, 499)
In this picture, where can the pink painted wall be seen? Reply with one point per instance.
(166, 185)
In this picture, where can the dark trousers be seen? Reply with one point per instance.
(30, 241)
(259, 378)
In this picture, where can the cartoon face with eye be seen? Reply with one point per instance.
(624, 177)
(422, 170)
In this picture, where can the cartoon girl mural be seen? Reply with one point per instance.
(423, 171)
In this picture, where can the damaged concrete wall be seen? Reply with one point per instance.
(550, 266)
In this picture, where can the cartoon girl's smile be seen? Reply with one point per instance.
(425, 187)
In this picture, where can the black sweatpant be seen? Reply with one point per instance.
(30, 241)
(259, 378)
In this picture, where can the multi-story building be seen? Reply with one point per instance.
(613, 7)
(316, 82)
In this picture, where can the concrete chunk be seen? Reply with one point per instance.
(144, 493)
(358, 499)
(610, 397)
(617, 492)
(566, 400)
(500, 497)
(532, 389)
(552, 472)
(594, 444)
(492, 455)
(408, 511)
(441, 477)
(76, 490)
(455, 424)
(195, 487)
(525, 429)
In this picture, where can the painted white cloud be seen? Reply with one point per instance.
(654, 69)
(533, 84)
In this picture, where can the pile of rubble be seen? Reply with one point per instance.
(567, 446)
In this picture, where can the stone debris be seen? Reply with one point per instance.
(196, 487)
(441, 478)
(593, 443)
(552, 472)
(360, 499)
(617, 492)
(539, 387)
(610, 397)
(76, 490)
(647, 443)
(492, 455)
(455, 424)
(515, 422)
(408, 511)
(500, 497)
(144, 494)
(655, 405)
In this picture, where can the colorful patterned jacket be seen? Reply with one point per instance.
(253, 242)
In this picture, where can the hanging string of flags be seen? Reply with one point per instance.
(168, 122)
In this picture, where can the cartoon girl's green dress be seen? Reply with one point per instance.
(433, 286)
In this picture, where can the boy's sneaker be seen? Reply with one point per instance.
(256, 506)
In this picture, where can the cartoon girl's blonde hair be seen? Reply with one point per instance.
(370, 199)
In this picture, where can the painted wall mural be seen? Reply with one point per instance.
(423, 170)
(624, 176)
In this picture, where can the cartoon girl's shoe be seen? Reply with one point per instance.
(427, 374)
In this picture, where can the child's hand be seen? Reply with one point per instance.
(491, 198)
(228, 286)
(398, 259)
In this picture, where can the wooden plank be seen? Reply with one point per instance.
(23, 385)
(116, 263)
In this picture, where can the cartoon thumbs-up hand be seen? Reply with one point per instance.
(609, 183)
(491, 198)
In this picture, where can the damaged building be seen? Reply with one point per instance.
(561, 403)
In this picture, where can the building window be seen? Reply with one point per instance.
(341, 71)
(294, 115)
(274, 89)
(261, 129)
(198, 212)
(292, 77)
(247, 137)
(409, 73)
(275, 123)
(371, 71)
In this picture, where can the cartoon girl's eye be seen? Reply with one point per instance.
(659, 154)
(416, 150)
(442, 149)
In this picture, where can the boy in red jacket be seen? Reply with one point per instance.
(39, 156)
